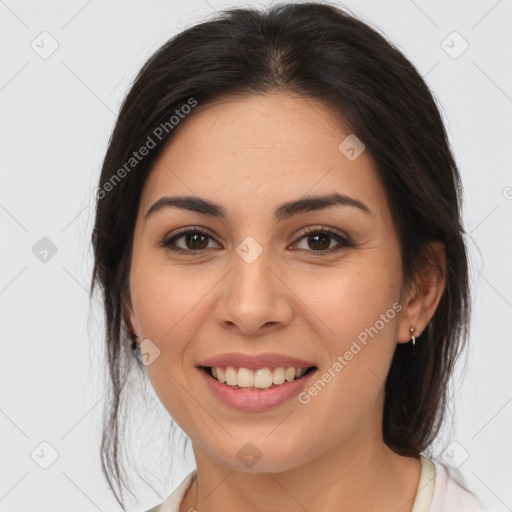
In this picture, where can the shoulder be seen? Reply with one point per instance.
(451, 495)
(173, 502)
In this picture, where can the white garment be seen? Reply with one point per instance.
(437, 492)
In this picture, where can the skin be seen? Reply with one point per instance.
(250, 155)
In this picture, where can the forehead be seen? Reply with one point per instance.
(270, 147)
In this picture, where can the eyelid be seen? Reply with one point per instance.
(308, 230)
(187, 229)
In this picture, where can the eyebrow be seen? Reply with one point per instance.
(285, 211)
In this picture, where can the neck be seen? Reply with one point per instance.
(350, 476)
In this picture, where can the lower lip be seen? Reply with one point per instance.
(245, 400)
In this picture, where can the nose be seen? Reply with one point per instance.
(254, 296)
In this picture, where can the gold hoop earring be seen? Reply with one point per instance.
(413, 338)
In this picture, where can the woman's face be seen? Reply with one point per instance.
(252, 282)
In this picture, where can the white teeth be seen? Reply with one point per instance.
(231, 376)
(278, 375)
(289, 374)
(262, 378)
(245, 378)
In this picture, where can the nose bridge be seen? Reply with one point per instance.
(252, 294)
(250, 267)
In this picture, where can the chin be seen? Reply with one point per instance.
(262, 456)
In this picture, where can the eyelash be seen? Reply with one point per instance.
(343, 241)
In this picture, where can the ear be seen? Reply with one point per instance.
(129, 317)
(424, 294)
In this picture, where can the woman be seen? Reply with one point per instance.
(278, 232)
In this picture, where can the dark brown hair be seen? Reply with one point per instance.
(322, 52)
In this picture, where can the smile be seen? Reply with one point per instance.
(255, 390)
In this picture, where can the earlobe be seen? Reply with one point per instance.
(425, 294)
(410, 315)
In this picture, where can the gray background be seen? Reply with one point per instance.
(57, 112)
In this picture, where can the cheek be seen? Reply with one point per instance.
(352, 298)
(169, 310)
(171, 305)
(167, 301)
(359, 306)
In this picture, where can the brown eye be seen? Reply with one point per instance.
(319, 240)
(192, 241)
(196, 241)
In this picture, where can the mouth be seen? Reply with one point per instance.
(255, 390)
(256, 380)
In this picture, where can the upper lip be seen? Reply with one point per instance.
(265, 360)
